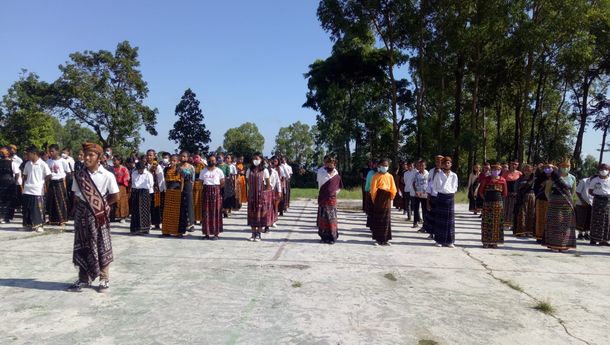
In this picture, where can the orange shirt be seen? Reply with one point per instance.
(385, 182)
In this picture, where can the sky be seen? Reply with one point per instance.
(244, 59)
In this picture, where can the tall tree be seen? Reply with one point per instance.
(106, 92)
(189, 130)
(295, 142)
(244, 140)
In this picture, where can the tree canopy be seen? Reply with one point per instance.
(296, 143)
(244, 140)
(189, 130)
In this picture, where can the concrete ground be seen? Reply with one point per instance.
(290, 289)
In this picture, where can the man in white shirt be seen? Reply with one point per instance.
(142, 187)
(444, 185)
(584, 201)
(277, 187)
(66, 154)
(287, 174)
(430, 216)
(57, 195)
(35, 174)
(212, 216)
(95, 190)
(599, 188)
(407, 179)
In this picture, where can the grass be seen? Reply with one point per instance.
(297, 284)
(461, 196)
(390, 276)
(427, 342)
(545, 307)
(512, 285)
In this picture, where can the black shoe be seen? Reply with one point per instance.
(593, 243)
(587, 237)
(104, 286)
(581, 237)
(77, 286)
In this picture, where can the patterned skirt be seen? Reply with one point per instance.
(368, 208)
(509, 209)
(57, 205)
(560, 227)
(444, 221)
(140, 211)
(243, 189)
(229, 193)
(525, 216)
(33, 210)
(273, 207)
(156, 207)
(238, 187)
(492, 222)
(258, 207)
(171, 212)
(92, 244)
(198, 199)
(381, 217)
(121, 209)
(287, 195)
(600, 219)
(583, 217)
(187, 212)
(430, 216)
(8, 199)
(327, 222)
(211, 224)
(542, 207)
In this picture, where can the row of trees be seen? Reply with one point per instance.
(475, 79)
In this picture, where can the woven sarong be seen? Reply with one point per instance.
(444, 221)
(33, 210)
(171, 212)
(525, 216)
(600, 219)
(140, 211)
(560, 227)
(541, 210)
(57, 205)
(211, 223)
(381, 220)
(583, 217)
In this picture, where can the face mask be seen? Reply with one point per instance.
(548, 170)
(603, 173)
(165, 161)
(488, 173)
(212, 164)
(563, 170)
(383, 169)
(256, 162)
(220, 161)
(63, 155)
(495, 173)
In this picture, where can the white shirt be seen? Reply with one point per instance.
(421, 182)
(265, 172)
(431, 175)
(71, 163)
(232, 169)
(211, 177)
(16, 171)
(58, 168)
(408, 177)
(444, 184)
(35, 173)
(103, 179)
(159, 176)
(274, 181)
(584, 192)
(286, 170)
(324, 176)
(17, 160)
(600, 187)
(143, 181)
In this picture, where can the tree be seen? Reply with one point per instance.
(25, 119)
(602, 122)
(589, 166)
(295, 142)
(106, 92)
(72, 135)
(244, 140)
(189, 130)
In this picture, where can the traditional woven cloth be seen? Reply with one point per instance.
(33, 210)
(381, 220)
(560, 228)
(121, 209)
(57, 206)
(171, 212)
(492, 220)
(583, 217)
(525, 216)
(600, 219)
(444, 223)
(327, 209)
(8, 195)
(258, 203)
(198, 199)
(212, 211)
(541, 210)
(140, 211)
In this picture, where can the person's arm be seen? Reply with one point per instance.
(112, 199)
(504, 188)
(393, 189)
(222, 183)
(482, 187)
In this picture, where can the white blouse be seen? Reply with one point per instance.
(211, 177)
(600, 187)
(143, 181)
(444, 184)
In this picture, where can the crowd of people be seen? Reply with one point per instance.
(545, 202)
(174, 193)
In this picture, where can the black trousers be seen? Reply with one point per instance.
(415, 203)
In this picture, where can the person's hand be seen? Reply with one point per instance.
(429, 206)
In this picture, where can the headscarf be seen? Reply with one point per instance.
(93, 147)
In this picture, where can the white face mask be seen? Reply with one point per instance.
(383, 169)
(256, 162)
(603, 173)
(165, 161)
(63, 155)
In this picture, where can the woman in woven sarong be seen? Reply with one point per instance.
(584, 201)
(445, 185)
(473, 188)
(259, 197)
(241, 180)
(198, 189)
(142, 182)
(599, 188)
(543, 174)
(511, 176)
(8, 193)
(120, 210)
(187, 212)
(560, 230)
(329, 184)
(174, 182)
(525, 205)
(383, 191)
(493, 190)
(213, 180)
(368, 203)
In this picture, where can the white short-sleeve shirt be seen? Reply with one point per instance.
(265, 172)
(58, 168)
(444, 184)
(211, 177)
(584, 192)
(36, 173)
(600, 186)
(143, 181)
(17, 172)
(103, 179)
(274, 181)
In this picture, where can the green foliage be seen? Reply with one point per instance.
(106, 92)
(295, 142)
(72, 135)
(244, 140)
(589, 166)
(189, 130)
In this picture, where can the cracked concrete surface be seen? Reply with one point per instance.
(290, 289)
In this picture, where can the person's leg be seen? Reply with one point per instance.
(415, 205)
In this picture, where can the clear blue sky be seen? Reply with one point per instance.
(244, 59)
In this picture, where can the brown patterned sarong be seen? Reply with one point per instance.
(171, 212)
(57, 206)
(211, 224)
(380, 218)
(600, 219)
(560, 228)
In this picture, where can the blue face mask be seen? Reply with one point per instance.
(383, 169)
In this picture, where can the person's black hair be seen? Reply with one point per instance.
(54, 147)
(32, 149)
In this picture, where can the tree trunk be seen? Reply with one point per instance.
(603, 146)
(459, 80)
(541, 81)
(582, 123)
(498, 129)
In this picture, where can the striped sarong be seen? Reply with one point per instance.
(560, 227)
(600, 219)
(444, 221)
(140, 211)
(211, 224)
(171, 212)
(381, 220)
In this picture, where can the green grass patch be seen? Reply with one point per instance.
(297, 284)
(545, 307)
(427, 342)
(512, 285)
(390, 276)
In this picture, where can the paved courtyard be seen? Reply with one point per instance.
(290, 289)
